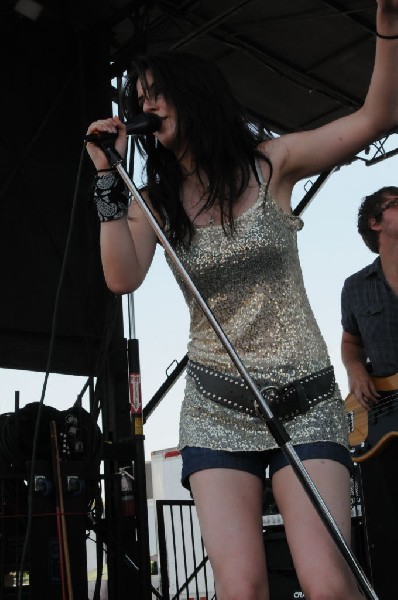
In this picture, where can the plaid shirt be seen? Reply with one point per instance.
(369, 309)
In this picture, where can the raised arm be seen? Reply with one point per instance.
(128, 243)
(302, 154)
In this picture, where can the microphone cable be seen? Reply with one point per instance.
(47, 373)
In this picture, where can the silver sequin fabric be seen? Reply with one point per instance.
(252, 282)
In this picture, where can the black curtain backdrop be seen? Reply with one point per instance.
(55, 82)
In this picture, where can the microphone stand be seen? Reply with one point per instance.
(275, 427)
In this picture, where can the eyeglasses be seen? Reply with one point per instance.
(393, 203)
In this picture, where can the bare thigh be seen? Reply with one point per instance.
(317, 559)
(229, 507)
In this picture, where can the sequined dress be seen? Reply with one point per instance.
(252, 282)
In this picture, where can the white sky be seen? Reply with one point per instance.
(330, 250)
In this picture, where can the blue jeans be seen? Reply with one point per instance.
(196, 459)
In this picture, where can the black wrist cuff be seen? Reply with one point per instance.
(110, 196)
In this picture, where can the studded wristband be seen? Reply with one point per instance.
(111, 197)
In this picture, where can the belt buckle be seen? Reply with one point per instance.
(275, 392)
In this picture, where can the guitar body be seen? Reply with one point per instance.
(370, 430)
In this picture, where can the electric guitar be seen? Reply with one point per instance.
(370, 430)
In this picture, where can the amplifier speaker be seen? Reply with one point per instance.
(380, 493)
(282, 576)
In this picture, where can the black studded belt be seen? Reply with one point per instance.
(295, 398)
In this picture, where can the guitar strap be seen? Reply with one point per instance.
(386, 384)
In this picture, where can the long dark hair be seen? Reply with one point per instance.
(221, 139)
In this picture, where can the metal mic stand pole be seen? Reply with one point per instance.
(275, 427)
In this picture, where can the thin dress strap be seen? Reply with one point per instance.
(258, 173)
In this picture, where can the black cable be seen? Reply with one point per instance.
(44, 388)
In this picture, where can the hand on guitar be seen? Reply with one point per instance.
(371, 426)
(362, 386)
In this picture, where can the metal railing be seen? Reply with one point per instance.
(185, 571)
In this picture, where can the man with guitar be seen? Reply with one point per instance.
(369, 349)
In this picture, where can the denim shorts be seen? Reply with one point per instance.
(196, 459)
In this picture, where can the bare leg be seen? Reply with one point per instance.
(322, 571)
(229, 506)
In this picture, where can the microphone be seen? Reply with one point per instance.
(141, 125)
